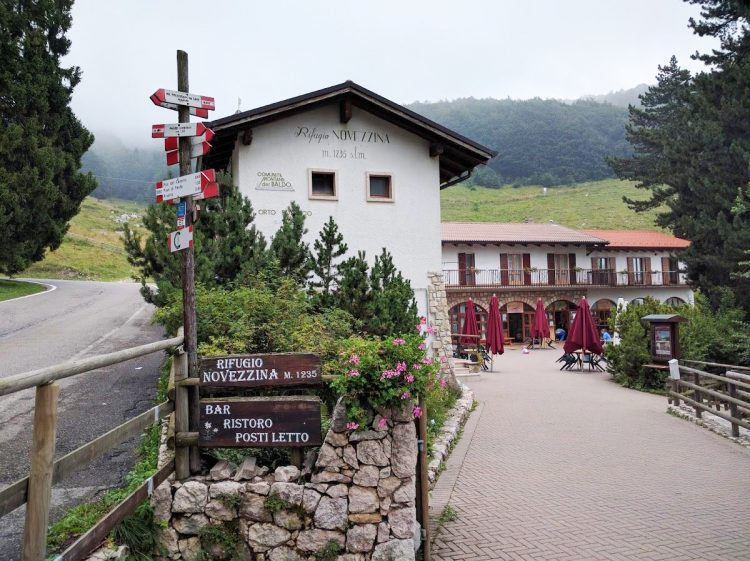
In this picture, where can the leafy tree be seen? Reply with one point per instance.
(392, 308)
(227, 244)
(41, 140)
(328, 247)
(287, 245)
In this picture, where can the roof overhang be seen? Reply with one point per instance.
(457, 154)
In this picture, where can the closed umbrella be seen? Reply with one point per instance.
(470, 329)
(495, 339)
(583, 333)
(540, 328)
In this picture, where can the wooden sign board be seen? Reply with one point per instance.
(260, 422)
(260, 371)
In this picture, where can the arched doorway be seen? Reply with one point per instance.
(562, 313)
(518, 317)
(675, 301)
(602, 311)
(457, 314)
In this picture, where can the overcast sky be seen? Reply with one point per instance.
(406, 50)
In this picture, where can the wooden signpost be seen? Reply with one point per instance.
(182, 98)
(260, 422)
(262, 370)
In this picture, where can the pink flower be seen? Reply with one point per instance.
(398, 342)
(422, 346)
(430, 329)
(353, 373)
(354, 359)
(417, 411)
(405, 395)
(409, 378)
(389, 374)
(427, 360)
(382, 423)
(443, 358)
(352, 425)
(400, 367)
(442, 382)
(422, 320)
(416, 366)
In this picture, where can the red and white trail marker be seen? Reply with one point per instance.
(184, 186)
(173, 143)
(196, 151)
(178, 130)
(202, 113)
(183, 98)
(181, 239)
(209, 192)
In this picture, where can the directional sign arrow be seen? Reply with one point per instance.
(173, 142)
(209, 192)
(183, 98)
(196, 150)
(202, 113)
(181, 239)
(178, 130)
(184, 186)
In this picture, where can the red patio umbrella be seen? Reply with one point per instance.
(495, 339)
(470, 326)
(583, 333)
(540, 328)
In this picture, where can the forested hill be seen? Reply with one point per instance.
(539, 141)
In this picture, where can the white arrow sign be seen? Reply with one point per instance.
(178, 129)
(183, 98)
(202, 113)
(181, 239)
(173, 143)
(184, 186)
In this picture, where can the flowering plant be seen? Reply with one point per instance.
(382, 374)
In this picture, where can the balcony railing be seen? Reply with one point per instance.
(510, 278)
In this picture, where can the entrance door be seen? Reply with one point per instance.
(515, 326)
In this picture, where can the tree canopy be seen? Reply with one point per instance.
(41, 140)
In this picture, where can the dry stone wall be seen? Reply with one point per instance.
(359, 494)
(441, 342)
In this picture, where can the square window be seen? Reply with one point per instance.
(379, 187)
(322, 184)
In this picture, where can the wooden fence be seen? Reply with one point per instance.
(711, 392)
(35, 490)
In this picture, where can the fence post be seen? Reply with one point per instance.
(697, 395)
(423, 500)
(733, 411)
(40, 476)
(674, 377)
(181, 416)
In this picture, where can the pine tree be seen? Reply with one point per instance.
(353, 294)
(41, 140)
(392, 309)
(287, 245)
(328, 247)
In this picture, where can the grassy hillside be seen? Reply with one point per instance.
(597, 204)
(92, 248)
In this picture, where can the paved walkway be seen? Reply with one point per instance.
(570, 466)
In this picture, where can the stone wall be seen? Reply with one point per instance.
(438, 306)
(359, 493)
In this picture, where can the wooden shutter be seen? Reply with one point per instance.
(611, 272)
(462, 269)
(471, 274)
(526, 269)
(647, 271)
(631, 275)
(550, 268)
(504, 279)
(665, 270)
(572, 268)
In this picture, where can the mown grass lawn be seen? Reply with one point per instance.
(596, 204)
(92, 248)
(13, 289)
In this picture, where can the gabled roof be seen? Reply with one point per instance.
(458, 154)
(547, 233)
(639, 239)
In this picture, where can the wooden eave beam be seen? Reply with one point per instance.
(345, 109)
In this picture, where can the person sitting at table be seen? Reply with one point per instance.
(606, 337)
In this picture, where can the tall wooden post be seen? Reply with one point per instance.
(40, 477)
(188, 268)
(423, 489)
(733, 411)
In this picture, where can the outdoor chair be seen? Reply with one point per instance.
(568, 360)
(595, 362)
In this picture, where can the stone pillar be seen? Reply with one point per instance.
(441, 342)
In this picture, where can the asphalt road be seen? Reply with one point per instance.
(74, 320)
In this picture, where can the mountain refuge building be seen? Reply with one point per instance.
(376, 167)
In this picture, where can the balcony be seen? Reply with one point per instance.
(504, 278)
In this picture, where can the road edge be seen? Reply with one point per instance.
(50, 288)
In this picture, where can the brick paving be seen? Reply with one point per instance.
(570, 466)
